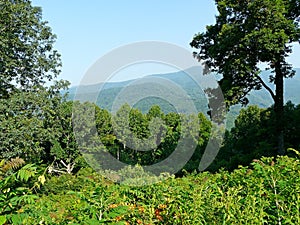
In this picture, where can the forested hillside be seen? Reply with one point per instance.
(56, 152)
(110, 90)
(107, 92)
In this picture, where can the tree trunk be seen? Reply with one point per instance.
(118, 154)
(279, 108)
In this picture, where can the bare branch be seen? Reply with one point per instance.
(62, 162)
(266, 87)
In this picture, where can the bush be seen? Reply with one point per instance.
(265, 192)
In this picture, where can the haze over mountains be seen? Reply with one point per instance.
(112, 92)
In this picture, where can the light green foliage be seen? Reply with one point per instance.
(121, 126)
(204, 133)
(265, 192)
(17, 188)
(104, 126)
(134, 137)
(134, 176)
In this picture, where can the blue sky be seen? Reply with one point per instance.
(87, 30)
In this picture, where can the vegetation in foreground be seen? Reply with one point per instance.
(267, 192)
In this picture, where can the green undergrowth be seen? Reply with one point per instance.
(266, 192)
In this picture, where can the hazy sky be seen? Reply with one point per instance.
(86, 30)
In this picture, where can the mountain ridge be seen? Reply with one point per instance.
(258, 97)
(112, 91)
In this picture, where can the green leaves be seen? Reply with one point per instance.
(245, 34)
(28, 123)
(27, 58)
(26, 172)
(2, 220)
(253, 136)
(265, 192)
(16, 186)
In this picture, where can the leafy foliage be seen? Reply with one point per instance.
(16, 187)
(36, 127)
(253, 136)
(246, 34)
(265, 192)
(30, 116)
(27, 57)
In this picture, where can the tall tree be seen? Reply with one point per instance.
(121, 128)
(27, 57)
(246, 34)
(30, 123)
(29, 117)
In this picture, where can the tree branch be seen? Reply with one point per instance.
(266, 87)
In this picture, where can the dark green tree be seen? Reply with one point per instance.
(292, 125)
(29, 123)
(246, 34)
(27, 57)
(64, 150)
(30, 110)
(22, 130)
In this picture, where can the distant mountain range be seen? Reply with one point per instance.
(176, 82)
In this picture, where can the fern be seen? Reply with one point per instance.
(16, 163)
(15, 190)
(26, 198)
(26, 172)
(12, 164)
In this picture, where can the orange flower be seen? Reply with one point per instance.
(159, 218)
(157, 214)
(112, 206)
(162, 206)
(118, 218)
(141, 209)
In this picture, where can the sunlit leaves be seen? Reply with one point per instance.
(27, 57)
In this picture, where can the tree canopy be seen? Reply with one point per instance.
(246, 34)
(27, 57)
(34, 116)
